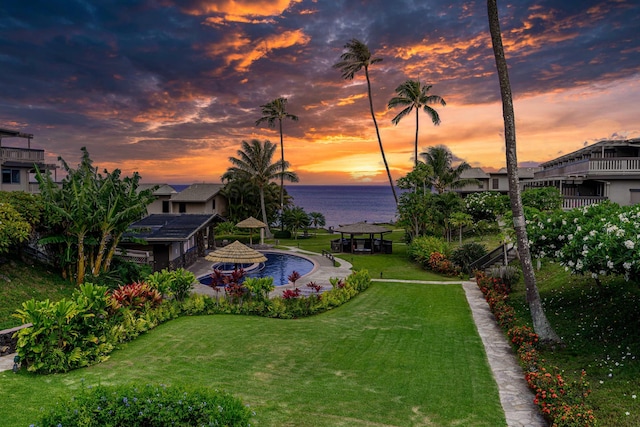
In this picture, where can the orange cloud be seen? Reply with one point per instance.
(240, 9)
(240, 52)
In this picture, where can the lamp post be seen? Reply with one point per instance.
(16, 360)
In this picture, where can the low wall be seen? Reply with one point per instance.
(7, 342)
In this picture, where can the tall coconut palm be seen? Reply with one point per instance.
(540, 323)
(443, 175)
(255, 163)
(357, 57)
(272, 111)
(413, 95)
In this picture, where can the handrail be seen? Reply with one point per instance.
(491, 258)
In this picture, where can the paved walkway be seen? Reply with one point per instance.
(515, 397)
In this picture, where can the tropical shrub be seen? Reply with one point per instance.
(421, 248)
(467, 253)
(67, 334)
(259, 286)
(13, 228)
(543, 198)
(149, 405)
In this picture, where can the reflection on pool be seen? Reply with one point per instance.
(278, 265)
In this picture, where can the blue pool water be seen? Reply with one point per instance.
(278, 265)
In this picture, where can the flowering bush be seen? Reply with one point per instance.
(562, 404)
(485, 205)
(598, 240)
(421, 248)
(438, 263)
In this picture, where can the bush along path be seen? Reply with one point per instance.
(561, 403)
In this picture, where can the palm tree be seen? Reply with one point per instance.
(317, 219)
(540, 322)
(255, 164)
(412, 95)
(357, 57)
(272, 111)
(444, 175)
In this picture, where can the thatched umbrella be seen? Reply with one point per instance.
(252, 223)
(236, 253)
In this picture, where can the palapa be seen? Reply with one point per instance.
(236, 253)
(252, 223)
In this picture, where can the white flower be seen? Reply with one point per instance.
(627, 266)
(610, 265)
(629, 244)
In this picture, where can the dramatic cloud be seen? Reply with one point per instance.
(170, 88)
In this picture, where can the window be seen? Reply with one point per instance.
(182, 207)
(495, 184)
(213, 204)
(11, 176)
(165, 206)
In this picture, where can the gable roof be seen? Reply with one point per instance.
(163, 189)
(474, 173)
(197, 193)
(169, 227)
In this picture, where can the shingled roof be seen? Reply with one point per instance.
(197, 193)
(162, 190)
(362, 228)
(169, 227)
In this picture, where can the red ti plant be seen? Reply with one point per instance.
(135, 296)
(291, 293)
(315, 287)
(293, 277)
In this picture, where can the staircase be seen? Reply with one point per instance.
(495, 258)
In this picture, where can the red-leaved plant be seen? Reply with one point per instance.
(134, 296)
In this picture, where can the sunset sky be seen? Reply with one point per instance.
(170, 88)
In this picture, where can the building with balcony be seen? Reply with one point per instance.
(606, 170)
(18, 164)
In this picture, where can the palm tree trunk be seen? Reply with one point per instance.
(540, 323)
(415, 148)
(375, 123)
(282, 175)
(263, 207)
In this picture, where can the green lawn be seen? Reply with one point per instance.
(397, 355)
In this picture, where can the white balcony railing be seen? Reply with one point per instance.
(571, 202)
(608, 166)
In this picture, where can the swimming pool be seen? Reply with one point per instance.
(278, 265)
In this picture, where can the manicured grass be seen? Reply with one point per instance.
(397, 355)
(600, 326)
(20, 282)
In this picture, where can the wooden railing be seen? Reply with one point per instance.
(21, 155)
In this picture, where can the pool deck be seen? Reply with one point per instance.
(323, 270)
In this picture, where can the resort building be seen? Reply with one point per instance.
(492, 181)
(19, 163)
(606, 170)
(198, 199)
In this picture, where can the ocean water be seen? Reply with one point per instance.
(346, 204)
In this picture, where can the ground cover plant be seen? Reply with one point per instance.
(600, 326)
(398, 354)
